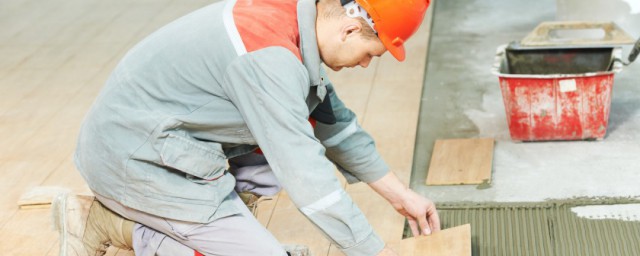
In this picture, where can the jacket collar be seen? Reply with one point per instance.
(309, 45)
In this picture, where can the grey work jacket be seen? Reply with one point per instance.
(183, 101)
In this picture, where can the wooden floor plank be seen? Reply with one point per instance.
(18, 83)
(461, 161)
(26, 115)
(55, 248)
(125, 27)
(265, 210)
(454, 241)
(12, 54)
(39, 23)
(30, 233)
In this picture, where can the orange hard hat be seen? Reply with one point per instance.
(395, 21)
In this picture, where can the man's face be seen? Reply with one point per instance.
(355, 51)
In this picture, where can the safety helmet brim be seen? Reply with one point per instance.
(395, 48)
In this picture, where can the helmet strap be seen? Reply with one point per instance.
(354, 10)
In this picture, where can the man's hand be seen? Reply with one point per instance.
(420, 211)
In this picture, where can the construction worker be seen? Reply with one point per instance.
(202, 93)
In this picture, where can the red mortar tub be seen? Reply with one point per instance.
(557, 94)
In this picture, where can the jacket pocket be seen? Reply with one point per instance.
(200, 161)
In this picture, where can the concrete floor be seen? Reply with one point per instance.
(462, 99)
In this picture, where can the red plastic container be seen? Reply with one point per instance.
(557, 94)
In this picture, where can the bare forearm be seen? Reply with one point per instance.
(390, 188)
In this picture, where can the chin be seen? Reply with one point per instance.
(332, 67)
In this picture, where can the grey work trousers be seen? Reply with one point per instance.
(237, 235)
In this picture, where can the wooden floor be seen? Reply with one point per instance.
(54, 57)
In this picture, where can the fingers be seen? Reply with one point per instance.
(430, 221)
(414, 226)
(434, 220)
(421, 214)
(424, 225)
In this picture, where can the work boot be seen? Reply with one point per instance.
(252, 200)
(249, 199)
(296, 250)
(87, 228)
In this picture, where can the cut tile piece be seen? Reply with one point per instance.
(461, 161)
(454, 241)
(39, 197)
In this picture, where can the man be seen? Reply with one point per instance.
(213, 86)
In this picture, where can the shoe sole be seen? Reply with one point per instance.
(58, 206)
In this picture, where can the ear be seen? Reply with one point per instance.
(350, 29)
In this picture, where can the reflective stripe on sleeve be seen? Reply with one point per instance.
(323, 203)
(342, 135)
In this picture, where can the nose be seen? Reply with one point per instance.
(365, 62)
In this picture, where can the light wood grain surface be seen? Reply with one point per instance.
(454, 241)
(461, 161)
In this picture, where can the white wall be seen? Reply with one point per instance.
(626, 13)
